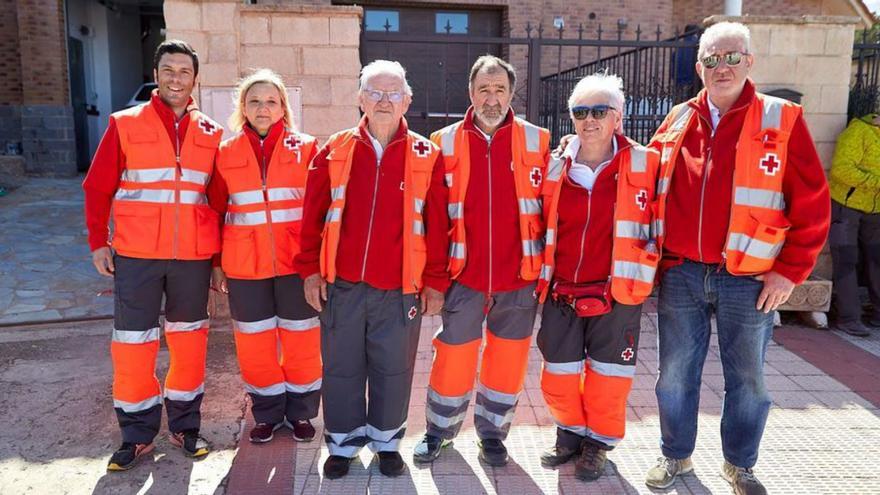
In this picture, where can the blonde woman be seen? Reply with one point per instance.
(261, 172)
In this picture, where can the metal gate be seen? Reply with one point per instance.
(863, 91)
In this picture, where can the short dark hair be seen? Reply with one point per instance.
(492, 64)
(176, 46)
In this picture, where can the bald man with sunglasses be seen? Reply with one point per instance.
(743, 211)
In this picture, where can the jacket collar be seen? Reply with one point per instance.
(165, 111)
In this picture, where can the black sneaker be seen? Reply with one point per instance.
(429, 448)
(191, 443)
(303, 431)
(391, 464)
(493, 452)
(128, 455)
(336, 466)
(557, 456)
(264, 432)
(591, 463)
(854, 328)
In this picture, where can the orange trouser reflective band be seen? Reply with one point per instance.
(188, 347)
(134, 357)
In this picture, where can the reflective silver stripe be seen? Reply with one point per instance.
(391, 445)
(771, 114)
(287, 215)
(546, 272)
(269, 390)
(456, 211)
(185, 326)
(681, 119)
(146, 195)
(554, 170)
(633, 230)
(499, 420)
(133, 407)
(194, 176)
(609, 441)
(496, 396)
(418, 227)
(638, 159)
(612, 369)
(340, 438)
(658, 227)
(445, 400)
(533, 137)
(532, 247)
(383, 436)
(285, 193)
(663, 186)
(193, 198)
(184, 395)
(251, 327)
(246, 198)
(298, 325)
(347, 451)
(447, 139)
(303, 388)
(252, 218)
(337, 192)
(529, 206)
(550, 237)
(456, 250)
(577, 430)
(443, 421)
(419, 205)
(760, 198)
(448, 178)
(333, 215)
(136, 336)
(569, 368)
(145, 175)
(635, 271)
(753, 247)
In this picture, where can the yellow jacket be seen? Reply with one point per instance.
(855, 171)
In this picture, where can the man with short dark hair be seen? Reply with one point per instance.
(152, 168)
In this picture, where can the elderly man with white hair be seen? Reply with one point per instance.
(599, 265)
(373, 258)
(744, 202)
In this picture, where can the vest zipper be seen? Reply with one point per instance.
(177, 174)
(489, 161)
(372, 212)
(584, 233)
(264, 172)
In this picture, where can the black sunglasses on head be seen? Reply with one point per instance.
(598, 111)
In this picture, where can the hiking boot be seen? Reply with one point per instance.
(429, 448)
(190, 442)
(303, 431)
(874, 321)
(557, 456)
(664, 473)
(854, 328)
(264, 432)
(493, 452)
(591, 463)
(391, 464)
(742, 480)
(128, 455)
(336, 466)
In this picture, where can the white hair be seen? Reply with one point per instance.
(722, 31)
(388, 67)
(611, 85)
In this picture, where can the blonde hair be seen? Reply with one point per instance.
(262, 76)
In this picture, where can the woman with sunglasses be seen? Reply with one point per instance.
(261, 174)
(599, 266)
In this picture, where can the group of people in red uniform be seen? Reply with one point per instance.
(332, 254)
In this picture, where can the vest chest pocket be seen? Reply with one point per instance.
(239, 252)
(136, 227)
(142, 150)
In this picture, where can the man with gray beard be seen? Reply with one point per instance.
(495, 164)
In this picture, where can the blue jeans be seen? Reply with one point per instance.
(689, 294)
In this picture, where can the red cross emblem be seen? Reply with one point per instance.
(642, 199)
(535, 176)
(207, 127)
(412, 313)
(627, 354)
(422, 148)
(770, 164)
(292, 142)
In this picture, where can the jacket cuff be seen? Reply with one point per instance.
(440, 284)
(796, 274)
(307, 270)
(98, 243)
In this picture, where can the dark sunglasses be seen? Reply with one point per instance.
(598, 111)
(731, 59)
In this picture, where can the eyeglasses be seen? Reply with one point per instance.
(376, 95)
(598, 111)
(731, 59)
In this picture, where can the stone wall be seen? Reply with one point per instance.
(312, 47)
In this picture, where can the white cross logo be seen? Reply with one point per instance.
(770, 164)
(535, 176)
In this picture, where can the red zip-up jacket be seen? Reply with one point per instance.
(585, 229)
(102, 180)
(699, 202)
(491, 212)
(371, 240)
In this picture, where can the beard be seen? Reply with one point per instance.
(491, 116)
